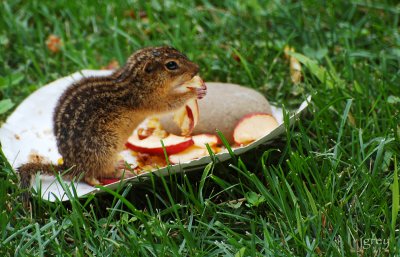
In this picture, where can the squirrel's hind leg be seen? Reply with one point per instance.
(121, 170)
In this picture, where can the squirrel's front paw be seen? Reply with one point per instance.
(201, 91)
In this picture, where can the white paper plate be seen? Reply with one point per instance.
(28, 130)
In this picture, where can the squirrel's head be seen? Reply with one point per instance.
(161, 67)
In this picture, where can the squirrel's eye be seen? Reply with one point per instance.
(171, 65)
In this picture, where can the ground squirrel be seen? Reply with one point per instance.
(95, 116)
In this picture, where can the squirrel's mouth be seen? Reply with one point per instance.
(194, 82)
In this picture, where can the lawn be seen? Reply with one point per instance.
(328, 187)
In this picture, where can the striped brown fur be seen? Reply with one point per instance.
(95, 116)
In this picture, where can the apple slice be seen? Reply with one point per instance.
(187, 116)
(144, 132)
(152, 144)
(151, 126)
(106, 181)
(201, 140)
(252, 127)
(191, 153)
(195, 82)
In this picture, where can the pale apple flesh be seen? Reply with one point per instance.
(201, 140)
(187, 116)
(252, 127)
(189, 154)
(197, 150)
(152, 144)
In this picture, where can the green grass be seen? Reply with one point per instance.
(329, 187)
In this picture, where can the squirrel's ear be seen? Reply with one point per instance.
(149, 67)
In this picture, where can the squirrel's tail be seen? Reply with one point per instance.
(28, 170)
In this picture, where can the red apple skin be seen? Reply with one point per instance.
(191, 118)
(106, 181)
(244, 118)
(170, 149)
